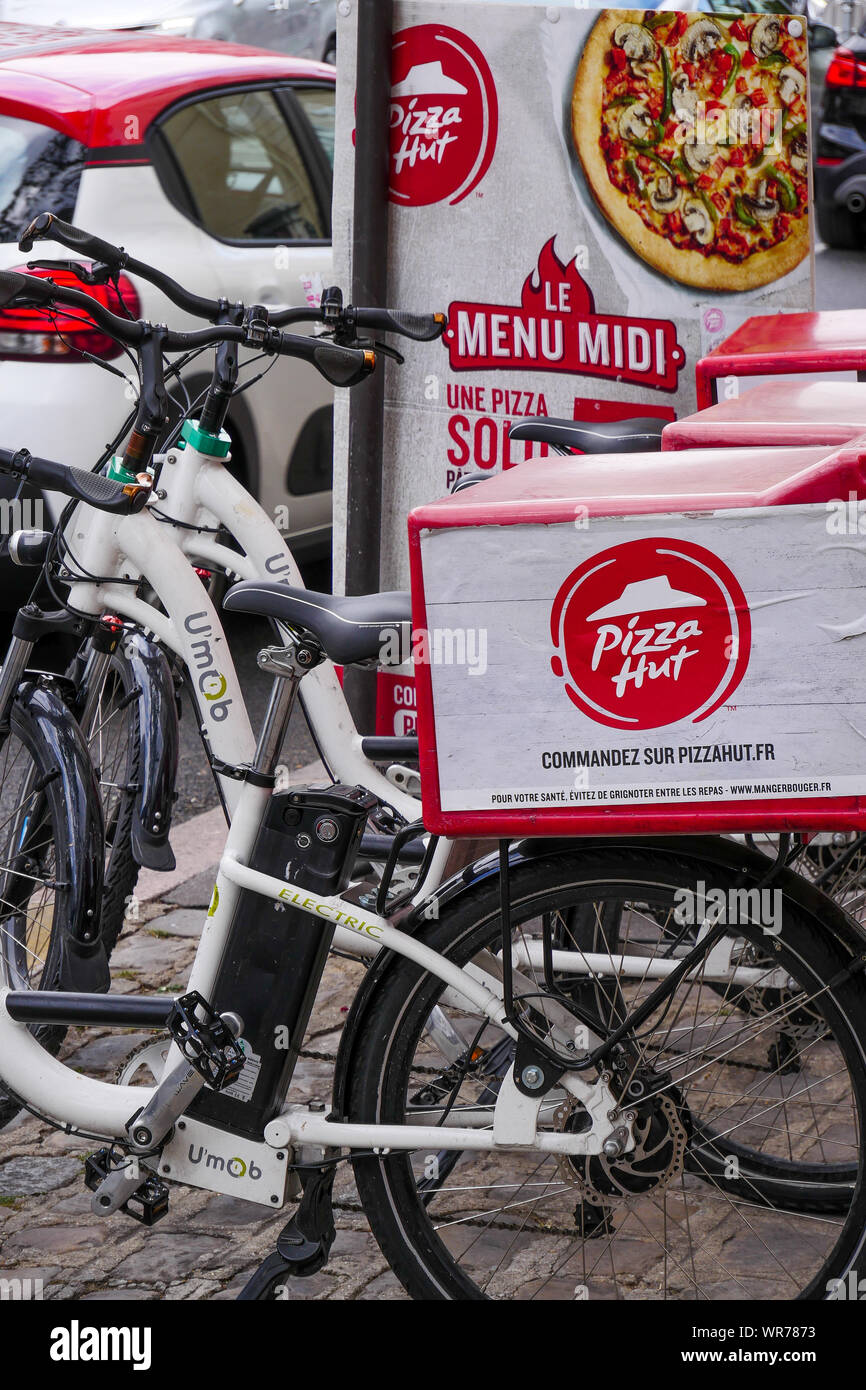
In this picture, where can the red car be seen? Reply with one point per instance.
(210, 160)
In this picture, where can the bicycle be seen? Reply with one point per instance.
(558, 1059)
(151, 759)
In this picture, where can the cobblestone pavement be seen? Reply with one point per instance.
(208, 1244)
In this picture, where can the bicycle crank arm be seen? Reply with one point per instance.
(176, 1092)
(149, 1126)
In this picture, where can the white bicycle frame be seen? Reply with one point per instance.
(200, 491)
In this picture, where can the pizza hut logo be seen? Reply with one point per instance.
(555, 329)
(649, 633)
(444, 116)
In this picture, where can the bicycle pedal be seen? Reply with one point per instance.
(147, 1203)
(206, 1041)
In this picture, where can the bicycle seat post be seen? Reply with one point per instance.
(289, 665)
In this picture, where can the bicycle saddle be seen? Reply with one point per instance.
(616, 437)
(347, 629)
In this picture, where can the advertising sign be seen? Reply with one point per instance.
(593, 196)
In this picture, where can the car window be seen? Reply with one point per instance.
(39, 169)
(243, 169)
(318, 104)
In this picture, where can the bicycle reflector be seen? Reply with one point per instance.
(63, 334)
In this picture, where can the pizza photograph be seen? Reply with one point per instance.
(692, 132)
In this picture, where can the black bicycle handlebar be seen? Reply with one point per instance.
(419, 327)
(93, 488)
(341, 366)
(422, 328)
(338, 365)
(48, 227)
(13, 285)
(31, 289)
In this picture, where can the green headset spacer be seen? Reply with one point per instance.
(217, 445)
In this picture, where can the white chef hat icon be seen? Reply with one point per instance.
(645, 595)
(428, 79)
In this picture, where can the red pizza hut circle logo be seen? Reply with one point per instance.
(649, 633)
(444, 116)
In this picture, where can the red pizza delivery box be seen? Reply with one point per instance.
(659, 643)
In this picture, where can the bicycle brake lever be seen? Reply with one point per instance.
(351, 340)
(98, 274)
(389, 351)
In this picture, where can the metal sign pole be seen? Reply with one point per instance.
(369, 286)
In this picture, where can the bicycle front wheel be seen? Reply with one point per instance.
(115, 748)
(50, 840)
(702, 1075)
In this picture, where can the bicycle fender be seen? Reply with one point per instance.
(829, 919)
(158, 744)
(83, 962)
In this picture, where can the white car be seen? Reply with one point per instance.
(213, 163)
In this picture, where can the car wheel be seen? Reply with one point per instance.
(840, 228)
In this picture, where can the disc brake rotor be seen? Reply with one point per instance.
(661, 1132)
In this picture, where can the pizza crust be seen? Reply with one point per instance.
(687, 266)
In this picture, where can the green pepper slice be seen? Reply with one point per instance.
(793, 131)
(787, 196)
(709, 204)
(653, 21)
(635, 174)
(773, 60)
(668, 168)
(680, 167)
(624, 99)
(745, 217)
(735, 54)
(667, 103)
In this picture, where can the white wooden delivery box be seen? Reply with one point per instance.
(645, 642)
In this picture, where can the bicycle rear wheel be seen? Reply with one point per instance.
(661, 1222)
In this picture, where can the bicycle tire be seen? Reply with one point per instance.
(402, 1217)
(117, 781)
(64, 830)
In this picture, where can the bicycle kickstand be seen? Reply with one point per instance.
(304, 1243)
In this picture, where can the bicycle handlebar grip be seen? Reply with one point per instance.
(93, 488)
(423, 328)
(12, 284)
(47, 227)
(343, 366)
